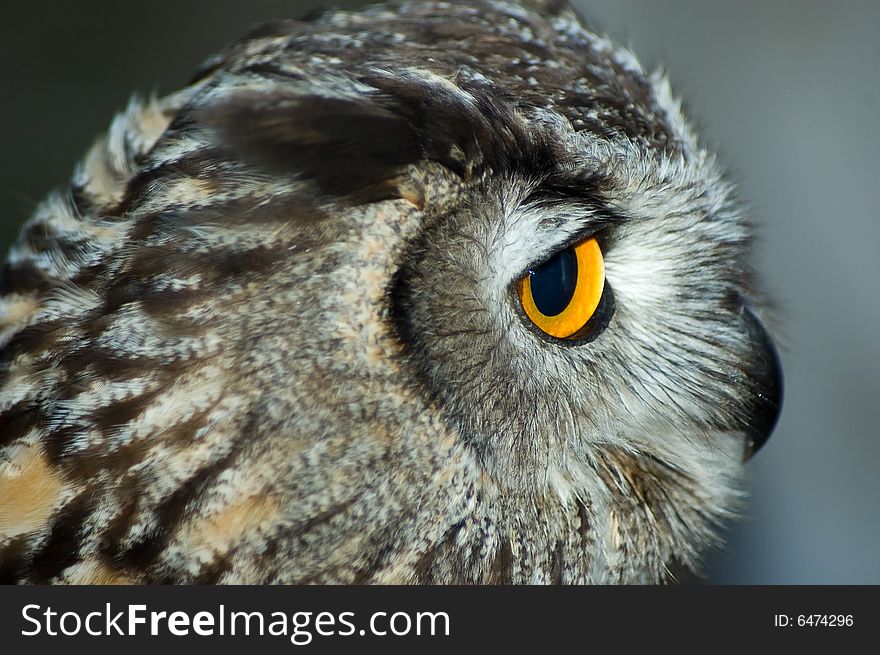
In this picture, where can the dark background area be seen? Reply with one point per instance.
(788, 93)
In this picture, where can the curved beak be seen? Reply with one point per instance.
(766, 375)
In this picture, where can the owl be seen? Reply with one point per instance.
(427, 293)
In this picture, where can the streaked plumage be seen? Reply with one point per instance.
(268, 334)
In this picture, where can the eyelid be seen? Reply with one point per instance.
(598, 232)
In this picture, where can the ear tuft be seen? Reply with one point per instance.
(347, 146)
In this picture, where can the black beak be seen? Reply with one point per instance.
(766, 376)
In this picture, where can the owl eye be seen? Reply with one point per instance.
(561, 295)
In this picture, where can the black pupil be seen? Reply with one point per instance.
(553, 282)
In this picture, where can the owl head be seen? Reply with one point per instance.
(428, 293)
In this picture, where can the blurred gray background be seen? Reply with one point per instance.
(788, 92)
